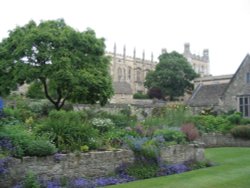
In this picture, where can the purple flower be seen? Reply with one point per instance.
(81, 183)
(4, 165)
(52, 184)
(172, 169)
(58, 157)
(6, 144)
(106, 181)
(18, 186)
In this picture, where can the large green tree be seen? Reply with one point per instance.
(172, 75)
(70, 65)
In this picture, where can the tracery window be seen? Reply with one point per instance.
(119, 74)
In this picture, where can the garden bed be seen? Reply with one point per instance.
(91, 164)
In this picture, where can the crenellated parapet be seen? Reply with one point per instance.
(200, 64)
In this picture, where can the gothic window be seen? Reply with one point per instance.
(244, 105)
(138, 75)
(146, 72)
(129, 73)
(124, 74)
(248, 78)
(119, 74)
(202, 69)
(194, 67)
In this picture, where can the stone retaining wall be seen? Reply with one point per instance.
(91, 164)
(220, 140)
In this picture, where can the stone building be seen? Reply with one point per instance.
(129, 72)
(233, 93)
(199, 63)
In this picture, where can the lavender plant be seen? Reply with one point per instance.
(4, 165)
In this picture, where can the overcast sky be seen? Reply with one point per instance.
(222, 26)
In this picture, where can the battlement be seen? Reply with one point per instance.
(130, 58)
(187, 53)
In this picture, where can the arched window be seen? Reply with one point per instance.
(129, 73)
(124, 74)
(138, 75)
(119, 74)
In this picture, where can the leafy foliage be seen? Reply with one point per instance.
(172, 115)
(25, 143)
(241, 131)
(172, 75)
(31, 181)
(68, 130)
(143, 170)
(172, 169)
(209, 123)
(140, 96)
(40, 148)
(171, 135)
(155, 93)
(144, 149)
(70, 65)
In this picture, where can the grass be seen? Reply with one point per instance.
(232, 171)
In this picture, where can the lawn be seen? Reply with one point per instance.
(232, 170)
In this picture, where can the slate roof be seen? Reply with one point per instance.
(207, 95)
(122, 88)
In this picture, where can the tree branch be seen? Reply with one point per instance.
(43, 80)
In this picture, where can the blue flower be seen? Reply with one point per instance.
(81, 183)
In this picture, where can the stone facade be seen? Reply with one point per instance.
(199, 63)
(91, 164)
(236, 95)
(220, 140)
(232, 93)
(211, 80)
(130, 71)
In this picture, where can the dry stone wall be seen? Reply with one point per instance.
(220, 140)
(91, 164)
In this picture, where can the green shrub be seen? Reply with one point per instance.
(102, 124)
(241, 131)
(40, 148)
(144, 148)
(245, 121)
(26, 143)
(173, 115)
(143, 170)
(194, 165)
(35, 91)
(171, 135)
(31, 181)
(119, 119)
(69, 130)
(20, 114)
(155, 122)
(234, 118)
(140, 96)
(209, 123)
(114, 137)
